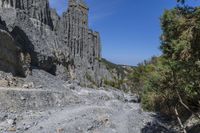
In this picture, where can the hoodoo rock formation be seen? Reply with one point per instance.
(63, 46)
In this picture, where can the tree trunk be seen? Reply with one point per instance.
(184, 105)
(179, 120)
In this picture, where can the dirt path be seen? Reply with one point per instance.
(115, 118)
(95, 111)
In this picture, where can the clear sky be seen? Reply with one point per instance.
(130, 29)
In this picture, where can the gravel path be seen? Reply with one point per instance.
(61, 107)
(102, 112)
(110, 118)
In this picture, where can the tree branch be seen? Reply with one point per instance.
(184, 105)
(179, 120)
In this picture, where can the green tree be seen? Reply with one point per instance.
(172, 84)
(181, 1)
(181, 47)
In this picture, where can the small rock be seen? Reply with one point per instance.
(10, 121)
(12, 129)
(28, 85)
(72, 87)
(31, 85)
(22, 98)
(101, 88)
(60, 130)
(40, 86)
(25, 86)
(35, 123)
(27, 127)
(76, 82)
(3, 117)
(132, 98)
(4, 83)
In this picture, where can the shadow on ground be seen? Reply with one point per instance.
(160, 124)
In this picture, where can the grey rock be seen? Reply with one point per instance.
(10, 121)
(80, 110)
(9, 54)
(64, 46)
(192, 125)
(3, 116)
(22, 98)
(28, 85)
(132, 98)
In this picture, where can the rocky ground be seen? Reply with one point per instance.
(49, 105)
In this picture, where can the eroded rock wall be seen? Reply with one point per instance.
(9, 53)
(83, 43)
(63, 46)
(38, 9)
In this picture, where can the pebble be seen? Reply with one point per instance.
(12, 129)
(60, 130)
(10, 121)
(27, 127)
(22, 98)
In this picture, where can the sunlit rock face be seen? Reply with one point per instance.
(61, 45)
(83, 43)
(38, 9)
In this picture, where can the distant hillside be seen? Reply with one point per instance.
(121, 75)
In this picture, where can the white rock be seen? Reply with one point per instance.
(10, 121)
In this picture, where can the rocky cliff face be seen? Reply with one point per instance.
(83, 44)
(10, 57)
(63, 46)
(37, 9)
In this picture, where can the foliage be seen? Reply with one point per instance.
(111, 66)
(119, 74)
(92, 84)
(172, 80)
(181, 1)
(115, 84)
(181, 48)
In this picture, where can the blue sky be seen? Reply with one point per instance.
(130, 29)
